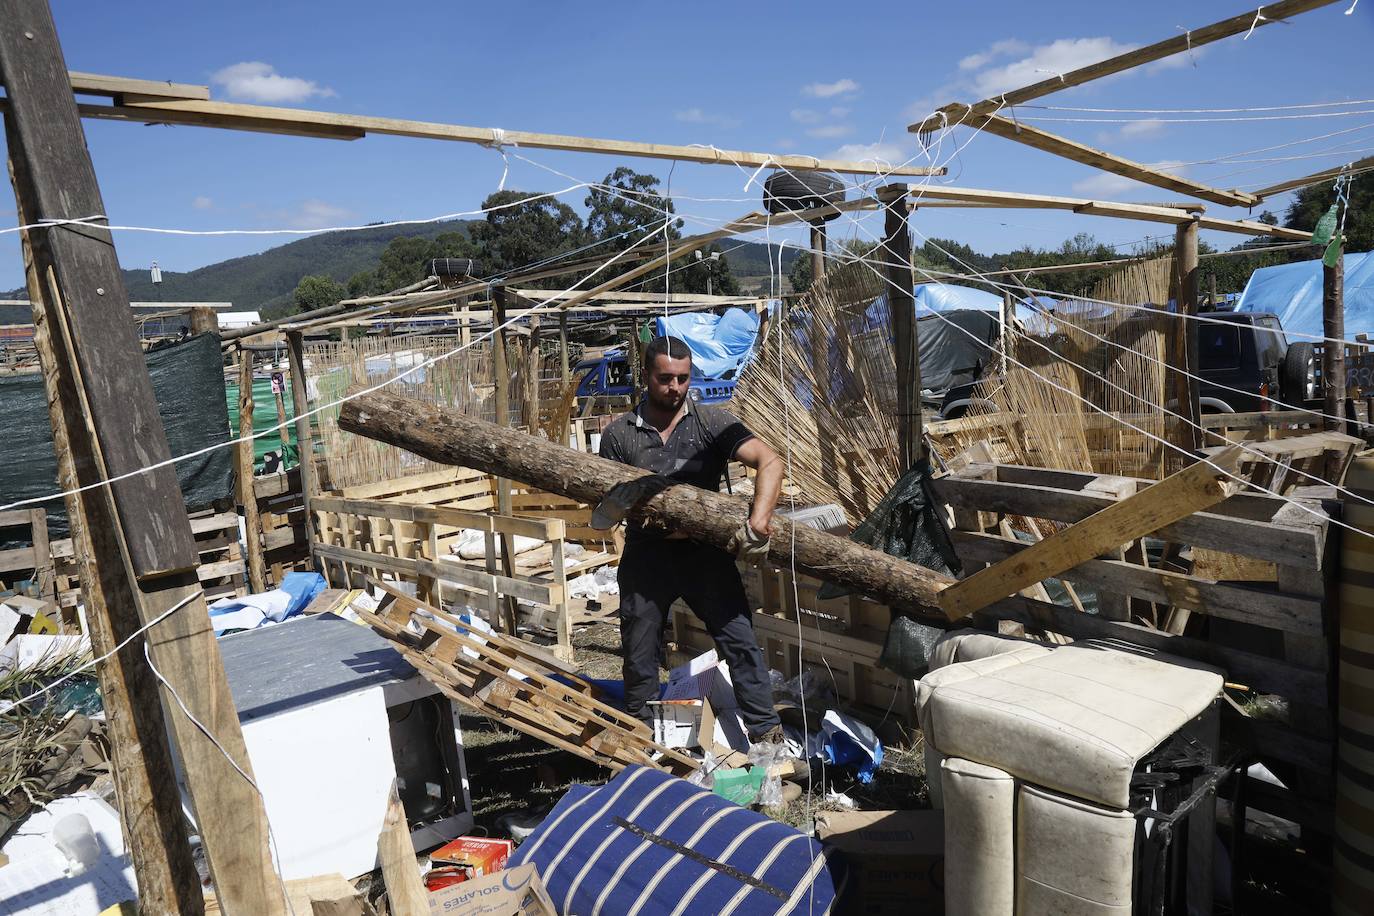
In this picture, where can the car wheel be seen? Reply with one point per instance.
(1298, 377)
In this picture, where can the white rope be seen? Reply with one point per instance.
(1259, 17)
(1294, 107)
(1291, 117)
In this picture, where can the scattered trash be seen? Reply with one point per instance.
(516, 891)
(846, 740)
(295, 593)
(740, 785)
(520, 824)
(593, 585)
(38, 881)
(476, 856)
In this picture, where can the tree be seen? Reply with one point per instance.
(317, 292)
(800, 274)
(627, 204)
(1312, 201)
(693, 278)
(403, 262)
(524, 231)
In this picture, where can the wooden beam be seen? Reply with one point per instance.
(119, 87)
(147, 551)
(140, 755)
(1330, 174)
(243, 474)
(305, 440)
(1045, 141)
(920, 193)
(1176, 497)
(1186, 391)
(303, 122)
(1178, 44)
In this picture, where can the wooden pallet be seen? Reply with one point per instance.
(1273, 635)
(518, 684)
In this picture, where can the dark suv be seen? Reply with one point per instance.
(1247, 364)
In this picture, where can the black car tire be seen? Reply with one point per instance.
(788, 192)
(1298, 376)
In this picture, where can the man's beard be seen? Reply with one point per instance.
(665, 406)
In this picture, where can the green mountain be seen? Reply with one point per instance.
(266, 280)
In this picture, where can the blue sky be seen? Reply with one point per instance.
(821, 80)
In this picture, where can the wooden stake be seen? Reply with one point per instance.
(140, 757)
(147, 546)
(1186, 391)
(1176, 497)
(501, 373)
(564, 365)
(1333, 327)
(404, 890)
(243, 472)
(305, 441)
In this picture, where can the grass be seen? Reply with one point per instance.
(28, 732)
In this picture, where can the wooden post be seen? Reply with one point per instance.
(279, 396)
(564, 364)
(305, 440)
(533, 367)
(1185, 388)
(243, 471)
(632, 355)
(140, 757)
(501, 371)
(144, 543)
(817, 250)
(896, 253)
(1214, 300)
(1005, 321)
(1333, 328)
(203, 320)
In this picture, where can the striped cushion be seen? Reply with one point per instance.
(649, 843)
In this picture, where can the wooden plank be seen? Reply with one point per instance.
(517, 587)
(1314, 178)
(117, 87)
(243, 477)
(1251, 537)
(142, 764)
(541, 528)
(1267, 675)
(107, 392)
(295, 120)
(1177, 44)
(405, 892)
(62, 185)
(1264, 608)
(1172, 499)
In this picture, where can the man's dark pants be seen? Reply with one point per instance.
(654, 574)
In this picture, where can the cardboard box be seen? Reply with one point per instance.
(513, 892)
(677, 723)
(706, 678)
(479, 855)
(896, 859)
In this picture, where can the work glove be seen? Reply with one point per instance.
(749, 545)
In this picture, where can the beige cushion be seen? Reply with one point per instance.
(1076, 720)
(968, 645)
(1071, 857)
(980, 874)
(934, 759)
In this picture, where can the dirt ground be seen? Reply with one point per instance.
(509, 772)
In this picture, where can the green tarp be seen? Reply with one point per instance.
(264, 418)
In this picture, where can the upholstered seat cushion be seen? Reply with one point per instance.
(1072, 858)
(968, 645)
(980, 839)
(1076, 720)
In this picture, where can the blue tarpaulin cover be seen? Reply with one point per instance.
(619, 849)
(946, 297)
(720, 344)
(1294, 293)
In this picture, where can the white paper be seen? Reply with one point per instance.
(35, 881)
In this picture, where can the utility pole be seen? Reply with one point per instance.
(143, 551)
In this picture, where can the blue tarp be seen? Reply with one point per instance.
(945, 297)
(1294, 293)
(720, 344)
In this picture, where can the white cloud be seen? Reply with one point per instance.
(1004, 48)
(314, 214)
(698, 116)
(830, 90)
(840, 111)
(1150, 127)
(255, 81)
(1107, 186)
(831, 131)
(805, 116)
(884, 153)
(201, 202)
(1057, 57)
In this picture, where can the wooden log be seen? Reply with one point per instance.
(1174, 498)
(449, 437)
(1333, 354)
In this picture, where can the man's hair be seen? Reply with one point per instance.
(672, 347)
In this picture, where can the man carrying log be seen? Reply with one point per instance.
(691, 443)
